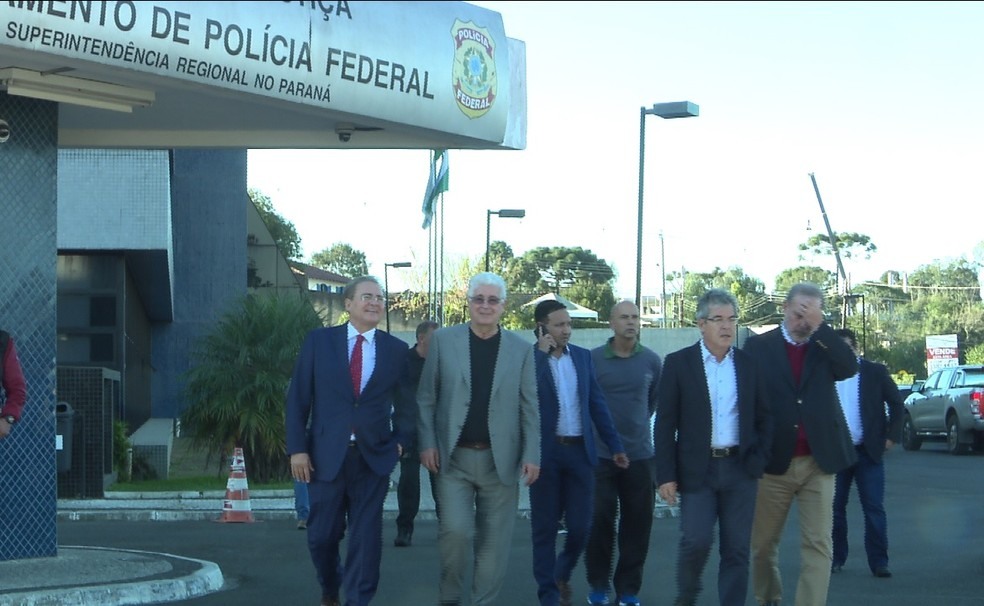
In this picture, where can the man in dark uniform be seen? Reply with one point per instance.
(408, 487)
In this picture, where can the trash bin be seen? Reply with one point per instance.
(65, 419)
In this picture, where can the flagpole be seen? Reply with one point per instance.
(430, 257)
(437, 184)
(432, 251)
(444, 311)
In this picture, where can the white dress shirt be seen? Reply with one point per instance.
(722, 386)
(565, 381)
(849, 394)
(368, 354)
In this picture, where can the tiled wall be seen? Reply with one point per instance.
(28, 201)
(208, 210)
(93, 397)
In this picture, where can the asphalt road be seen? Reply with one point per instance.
(935, 505)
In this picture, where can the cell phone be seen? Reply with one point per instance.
(539, 331)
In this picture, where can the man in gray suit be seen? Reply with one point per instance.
(479, 431)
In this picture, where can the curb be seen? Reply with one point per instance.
(205, 578)
(265, 505)
(203, 506)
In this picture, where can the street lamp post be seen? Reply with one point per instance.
(508, 213)
(662, 267)
(667, 111)
(386, 286)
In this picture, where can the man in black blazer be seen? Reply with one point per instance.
(408, 487)
(712, 439)
(865, 398)
(801, 360)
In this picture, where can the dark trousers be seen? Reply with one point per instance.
(301, 500)
(563, 490)
(354, 497)
(727, 498)
(627, 495)
(408, 490)
(869, 476)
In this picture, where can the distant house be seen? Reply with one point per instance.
(267, 270)
(319, 280)
(577, 312)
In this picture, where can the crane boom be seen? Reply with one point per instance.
(830, 234)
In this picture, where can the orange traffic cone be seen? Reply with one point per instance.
(236, 506)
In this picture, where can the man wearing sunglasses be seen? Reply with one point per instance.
(478, 430)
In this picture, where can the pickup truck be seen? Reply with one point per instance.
(948, 407)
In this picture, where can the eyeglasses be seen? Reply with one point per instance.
(366, 297)
(719, 320)
(480, 300)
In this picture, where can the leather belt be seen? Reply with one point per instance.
(719, 453)
(568, 440)
(475, 445)
(351, 443)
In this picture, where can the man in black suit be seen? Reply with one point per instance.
(408, 487)
(712, 439)
(801, 360)
(863, 398)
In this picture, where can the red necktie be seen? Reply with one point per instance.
(355, 365)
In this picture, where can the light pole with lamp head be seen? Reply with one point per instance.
(662, 267)
(508, 213)
(667, 111)
(386, 286)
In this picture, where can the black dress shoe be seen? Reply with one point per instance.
(403, 538)
(883, 572)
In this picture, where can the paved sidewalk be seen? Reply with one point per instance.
(85, 576)
(80, 575)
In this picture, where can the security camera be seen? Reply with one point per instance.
(344, 132)
(4, 131)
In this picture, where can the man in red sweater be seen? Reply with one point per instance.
(14, 388)
(801, 362)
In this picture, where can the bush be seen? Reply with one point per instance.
(238, 381)
(121, 445)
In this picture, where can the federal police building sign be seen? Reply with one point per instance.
(434, 65)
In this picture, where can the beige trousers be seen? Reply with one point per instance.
(478, 514)
(813, 491)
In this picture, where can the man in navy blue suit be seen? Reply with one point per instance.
(571, 401)
(712, 442)
(346, 380)
(865, 399)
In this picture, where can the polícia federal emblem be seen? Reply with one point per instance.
(473, 76)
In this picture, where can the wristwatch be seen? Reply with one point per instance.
(9, 419)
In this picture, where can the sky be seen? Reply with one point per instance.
(880, 101)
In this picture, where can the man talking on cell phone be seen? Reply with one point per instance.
(572, 406)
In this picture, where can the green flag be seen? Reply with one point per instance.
(437, 183)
